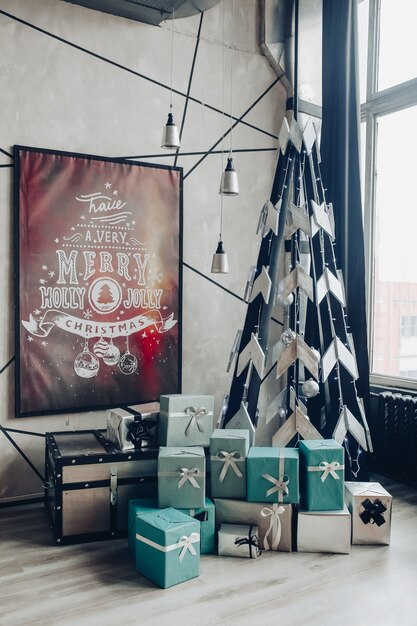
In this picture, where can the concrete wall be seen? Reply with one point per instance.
(67, 84)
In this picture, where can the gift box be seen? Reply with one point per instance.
(204, 515)
(181, 477)
(370, 506)
(273, 475)
(239, 540)
(167, 547)
(274, 521)
(324, 531)
(322, 474)
(228, 451)
(138, 507)
(185, 420)
(135, 427)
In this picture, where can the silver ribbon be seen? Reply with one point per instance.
(274, 525)
(280, 485)
(328, 469)
(229, 460)
(188, 475)
(196, 415)
(186, 543)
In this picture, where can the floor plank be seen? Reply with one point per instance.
(95, 583)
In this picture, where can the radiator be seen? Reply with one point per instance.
(395, 437)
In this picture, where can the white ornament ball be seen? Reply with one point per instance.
(317, 353)
(128, 363)
(86, 365)
(310, 388)
(288, 337)
(100, 347)
(282, 413)
(112, 355)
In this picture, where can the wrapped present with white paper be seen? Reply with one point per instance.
(134, 427)
(322, 474)
(239, 540)
(167, 547)
(324, 531)
(228, 451)
(274, 521)
(181, 477)
(273, 475)
(370, 506)
(185, 419)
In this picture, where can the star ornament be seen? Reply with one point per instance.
(297, 423)
(321, 219)
(298, 220)
(252, 352)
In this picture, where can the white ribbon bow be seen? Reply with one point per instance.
(280, 484)
(328, 469)
(274, 525)
(229, 460)
(186, 543)
(195, 415)
(188, 474)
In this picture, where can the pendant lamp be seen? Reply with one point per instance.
(170, 135)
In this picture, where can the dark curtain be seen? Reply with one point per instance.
(340, 153)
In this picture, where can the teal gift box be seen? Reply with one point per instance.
(322, 474)
(273, 475)
(167, 547)
(204, 515)
(181, 477)
(185, 420)
(228, 452)
(138, 507)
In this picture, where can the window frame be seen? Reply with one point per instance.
(378, 104)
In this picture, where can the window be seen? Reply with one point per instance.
(388, 56)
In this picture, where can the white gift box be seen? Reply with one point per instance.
(324, 531)
(239, 540)
(370, 506)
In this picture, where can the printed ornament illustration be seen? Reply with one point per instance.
(86, 364)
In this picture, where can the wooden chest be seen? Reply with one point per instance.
(89, 484)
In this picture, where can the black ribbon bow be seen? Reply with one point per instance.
(373, 512)
(139, 430)
(251, 541)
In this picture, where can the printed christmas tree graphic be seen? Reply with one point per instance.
(105, 295)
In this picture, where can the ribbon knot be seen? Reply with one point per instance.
(280, 484)
(229, 460)
(251, 541)
(330, 469)
(189, 475)
(186, 543)
(274, 525)
(373, 512)
(196, 415)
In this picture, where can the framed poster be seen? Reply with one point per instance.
(98, 281)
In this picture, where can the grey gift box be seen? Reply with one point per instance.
(120, 422)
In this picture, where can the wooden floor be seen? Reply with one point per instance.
(95, 583)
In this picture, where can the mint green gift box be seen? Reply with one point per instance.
(138, 507)
(185, 419)
(167, 547)
(273, 475)
(181, 477)
(228, 452)
(322, 474)
(204, 515)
